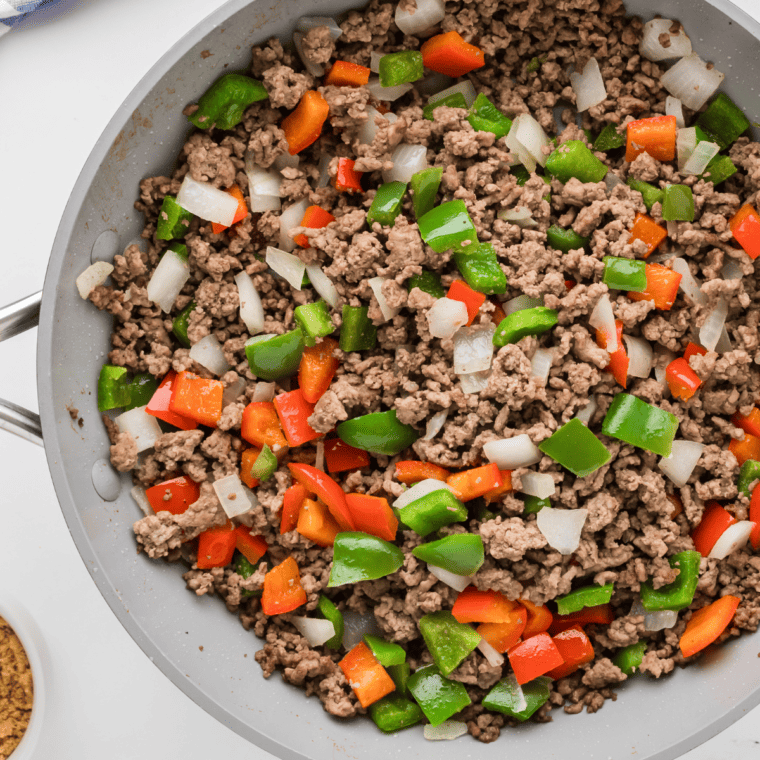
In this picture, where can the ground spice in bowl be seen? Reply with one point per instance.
(17, 690)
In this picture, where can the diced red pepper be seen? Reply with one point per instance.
(291, 507)
(576, 650)
(539, 618)
(683, 381)
(294, 412)
(714, 522)
(656, 136)
(174, 495)
(498, 315)
(261, 426)
(158, 406)
(745, 227)
(411, 471)
(247, 460)
(648, 231)
(476, 606)
(570, 284)
(461, 291)
(748, 447)
(601, 614)
(304, 125)
(347, 179)
(240, 214)
(283, 591)
(252, 547)
(216, 547)
(449, 54)
(197, 398)
(317, 368)
(340, 457)
(619, 360)
(707, 624)
(662, 287)
(692, 349)
(502, 636)
(471, 484)
(367, 677)
(316, 523)
(373, 515)
(749, 423)
(315, 218)
(533, 657)
(754, 516)
(345, 74)
(495, 494)
(317, 482)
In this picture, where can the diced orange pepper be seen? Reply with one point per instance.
(347, 179)
(656, 136)
(648, 231)
(715, 520)
(411, 471)
(662, 287)
(252, 547)
(475, 606)
(749, 423)
(746, 448)
(197, 398)
(533, 657)
(340, 457)
(247, 460)
(707, 624)
(316, 523)
(317, 368)
(366, 676)
(576, 650)
(315, 218)
(619, 360)
(692, 349)
(158, 406)
(304, 125)
(601, 614)
(294, 412)
(498, 315)
(283, 591)
(292, 500)
(373, 515)
(461, 291)
(682, 380)
(503, 636)
(317, 482)
(261, 426)
(345, 74)
(745, 227)
(539, 618)
(495, 494)
(240, 214)
(754, 516)
(174, 495)
(471, 484)
(216, 547)
(449, 54)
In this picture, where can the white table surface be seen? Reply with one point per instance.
(60, 83)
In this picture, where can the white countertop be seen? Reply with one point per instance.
(61, 82)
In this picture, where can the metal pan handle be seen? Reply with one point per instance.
(16, 318)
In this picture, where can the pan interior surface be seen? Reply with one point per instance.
(651, 719)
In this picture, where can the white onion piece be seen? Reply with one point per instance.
(603, 318)
(683, 458)
(689, 285)
(652, 49)
(527, 139)
(143, 427)
(206, 201)
(457, 582)
(588, 411)
(263, 392)
(233, 391)
(251, 308)
(473, 349)
(709, 333)
(446, 731)
(434, 425)
(286, 160)
(519, 215)
(541, 363)
(368, 130)
(95, 274)
(664, 357)
(315, 69)
(138, 494)
(322, 284)
(588, 86)
(445, 317)
(612, 181)
(356, 625)
(517, 690)
(315, 630)
(263, 186)
(387, 94)
(731, 270)
(562, 527)
(232, 495)
(290, 218)
(659, 257)
(167, 280)
(374, 61)
(407, 161)
(388, 311)
(432, 83)
(674, 107)
(724, 342)
(510, 453)
(208, 353)
(538, 484)
(286, 265)
(660, 620)
(303, 25)
(640, 356)
(319, 462)
(474, 382)
(465, 87)
(323, 180)
(418, 490)
(691, 81)
(672, 228)
(494, 658)
(686, 142)
(428, 13)
(702, 155)
(520, 303)
(733, 537)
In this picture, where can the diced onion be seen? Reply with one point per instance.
(672, 228)
(691, 81)
(519, 215)
(686, 142)
(208, 353)
(263, 186)
(495, 659)
(473, 349)
(541, 363)
(206, 201)
(432, 82)
(674, 107)
(731, 270)
(167, 280)
(588, 411)
(510, 453)
(387, 94)
(538, 484)
(652, 49)
(588, 86)
(664, 357)
(733, 537)
(683, 458)
(520, 303)
(303, 25)
(143, 427)
(139, 495)
(263, 392)
(724, 342)
(374, 61)
(659, 257)
(323, 180)
(322, 284)
(612, 181)
(660, 620)
(368, 130)
(702, 155)
(466, 87)
(407, 161)
(251, 308)
(428, 13)
(709, 333)
(232, 495)
(315, 630)
(527, 139)
(286, 160)
(356, 625)
(562, 527)
(286, 265)
(233, 391)
(640, 356)
(434, 425)
(418, 490)
(603, 318)
(517, 690)
(388, 311)
(95, 274)
(474, 382)
(289, 219)
(319, 462)
(446, 316)
(446, 731)
(457, 582)
(688, 284)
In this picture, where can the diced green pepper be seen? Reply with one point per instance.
(574, 159)
(723, 121)
(448, 640)
(400, 675)
(113, 388)
(386, 652)
(565, 240)
(483, 513)
(525, 322)
(588, 596)
(398, 68)
(504, 697)
(314, 320)
(427, 281)
(480, 268)
(719, 170)
(180, 249)
(141, 390)
(521, 174)
(461, 554)
(245, 569)
(173, 221)
(378, 433)
(357, 333)
(533, 505)
(535, 63)
(610, 138)
(749, 473)
(179, 325)
(223, 104)
(273, 358)
(453, 100)
(678, 204)
(438, 696)
(576, 448)
(486, 117)
(432, 511)
(629, 658)
(361, 557)
(624, 274)
(649, 193)
(425, 184)
(634, 421)
(386, 204)
(448, 226)
(394, 712)
(265, 465)
(679, 594)
(330, 612)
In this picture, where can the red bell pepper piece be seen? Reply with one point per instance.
(475, 606)
(317, 482)
(714, 522)
(618, 365)
(174, 495)
(749, 423)
(317, 368)
(373, 515)
(345, 74)
(292, 500)
(503, 636)
(662, 287)
(471, 484)
(498, 315)
(216, 547)
(533, 657)
(340, 457)
(240, 214)
(746, 448)
(495, 494)
(158, 406)
(283, 591)
(461, 291)
(745, 227)
(304, 125)
(754, 516)
(692, 349)
(601, 614)
(576, 650)
(683, 381)
(247, 460)
(316, 523)
(253, 548)
(412, 471)
(294, 412)
(656, 136)
(197, 398)
(315, 218)
(570, 284)
(366, 676)
(539, 618)
(347, 179)
(261, 426)
(449, 54)
(707, 624)
(647, 230)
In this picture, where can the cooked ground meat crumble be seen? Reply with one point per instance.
(629, 532)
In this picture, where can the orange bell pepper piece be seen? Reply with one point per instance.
(754, 516)
(247, 461)
(715, 520)
(475, 606)
(292, 500)
(533, 657)
(304, 125)
(745, 227)
(503, 636)
(656, 136)
(373, 515)
(683, 381)
(216, 547)
(261, 426)
(495, 494)
(240, 214)
(618, 365)
(461, 291)
(283, 591)
(498, 315)
(749, 423)
(449, 54)
(315, 523)
(340, 457)
(539, 618)
(662, 287)
(315, 218)
(471, 484)
(158, 406)
(412, 471)
(253, 548)
(345, 74)
(347, 179)
(707, 624)
(294, 412)
(317, 368)
(365, 675)
(197, 398)
(174, 495)
(692, 349)
(601, 614)
(647, 230)
(576, 650)
(317, 482)
(746, 448)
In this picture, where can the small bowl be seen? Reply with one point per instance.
(23, 625)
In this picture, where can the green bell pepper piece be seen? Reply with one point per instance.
(588, 596)
(535, 63)
(679, 594)
(425, 185)
(486, 117)
(483, 513)
(433, 511)
(361, 557)
(629, 658)
(438, 696)
(624, 274)
(565, 240)
(723, 121)
(180, 323)
(461, 554)
(398, 68)
(265, 465)
(378, 433)
(504, 697)
(400, 674)
(273, 358)
(649, 193)
(113, 388)
(394, 712)
(574, 159)
(452, 100)
(576, 448)
(448, 640)
(386, 652)
(516, 326)
(357, 333)
(447, 226)
(533, 505)
(634, 421)
(173, 221)
(224, 103)
(180, 249)
(427, 281)
(245, 569)
(330, 612)
(314, 321)
(386, 205)
(521, 174)
(749, 473)
(609, 139)
(678, 204)
(719, 170)
(480, 268)
(141, 390)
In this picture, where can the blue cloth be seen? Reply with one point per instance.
(13, 12)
